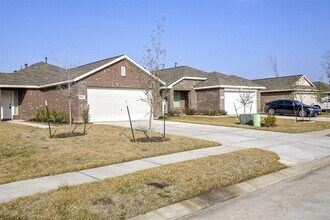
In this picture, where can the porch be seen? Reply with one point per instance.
(9, 103)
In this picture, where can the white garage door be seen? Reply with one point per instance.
(233, 97)
(109, 104)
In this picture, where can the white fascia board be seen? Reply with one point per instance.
(56, 84)
(228, 86)
(310, 82)
(19, 86)
(186, 77)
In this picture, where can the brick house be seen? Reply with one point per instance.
(106, 86)
(297, 87)
(195, 89)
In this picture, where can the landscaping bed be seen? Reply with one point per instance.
(137, 193)
(282, 125)
(28, 152)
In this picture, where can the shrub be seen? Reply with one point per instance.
(190, 111)
(54, 116)
(41, 115)
(175, 112)
(222, 112)
(163, 116)
(270, 121)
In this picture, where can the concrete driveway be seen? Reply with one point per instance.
(292, 148)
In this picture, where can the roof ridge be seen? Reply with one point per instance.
(280, 77)
(100, 60)
(183, 66)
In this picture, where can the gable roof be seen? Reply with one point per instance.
(173, 75)
(282, 83)
(322, 85)
(216, 79)
(43, 75)
(208, 80)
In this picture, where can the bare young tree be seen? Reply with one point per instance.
(326, 67)
(66, 88)
(154, 61)
(246, 98)
(326, 64)
(273, 63)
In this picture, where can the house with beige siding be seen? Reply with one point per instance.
(297, 87)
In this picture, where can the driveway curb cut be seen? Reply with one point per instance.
(189, 206)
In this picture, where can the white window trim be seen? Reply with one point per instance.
(123, 70)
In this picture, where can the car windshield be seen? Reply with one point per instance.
(297, 102)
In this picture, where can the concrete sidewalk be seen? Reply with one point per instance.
(17, 189)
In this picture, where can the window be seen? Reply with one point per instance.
(176, 103)
(123, 71)
(15, 106)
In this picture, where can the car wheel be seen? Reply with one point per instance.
(302, 113)
(271, 111)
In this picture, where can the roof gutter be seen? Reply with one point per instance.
(228, 86)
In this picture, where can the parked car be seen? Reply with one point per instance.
(324, 105)
(291, 107)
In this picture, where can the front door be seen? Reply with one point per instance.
(6, 102)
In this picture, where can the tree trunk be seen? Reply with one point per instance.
(150, 120)
(70, 107)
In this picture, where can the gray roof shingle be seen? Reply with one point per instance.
(216, 79)
(322, 86)
(40, 74)
(171, 75)
(280, 83)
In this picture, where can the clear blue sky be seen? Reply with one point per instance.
(230, 36)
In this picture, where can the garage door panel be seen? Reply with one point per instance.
(108, 104)
(232, 99)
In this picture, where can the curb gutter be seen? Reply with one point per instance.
(189, 206)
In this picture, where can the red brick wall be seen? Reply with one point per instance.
(271, 96)
(208, 99)
(32, 99)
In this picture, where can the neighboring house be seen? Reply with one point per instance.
(297, 87)
(196, 89)
(104, 85)
(324, 87)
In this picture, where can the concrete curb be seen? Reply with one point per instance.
(189, 206)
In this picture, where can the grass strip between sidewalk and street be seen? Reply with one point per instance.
(282, 125)
(137, 193)
(27, 152)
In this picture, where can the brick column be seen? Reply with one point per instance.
(222, 99)
(170, 98)
(259, 104)
(192, 99)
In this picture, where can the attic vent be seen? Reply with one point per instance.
(123, 71)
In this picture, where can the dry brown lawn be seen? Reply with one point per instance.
(27, 152)
(130, 195)
(282, 125)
